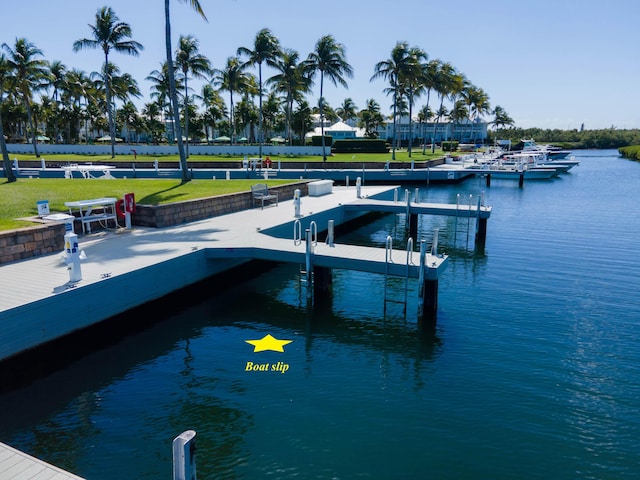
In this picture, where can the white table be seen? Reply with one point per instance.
(106, 210)
(86, 170)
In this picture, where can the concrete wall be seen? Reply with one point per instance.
(49, 238)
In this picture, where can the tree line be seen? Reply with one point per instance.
(75, 105)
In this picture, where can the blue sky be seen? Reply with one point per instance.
(549, 64)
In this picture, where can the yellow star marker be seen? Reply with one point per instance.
(268, 343)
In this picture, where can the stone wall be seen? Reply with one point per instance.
(31, 242)
(49, 238)
(200, 209)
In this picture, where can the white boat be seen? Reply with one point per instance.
(552, 152)
(500, 169)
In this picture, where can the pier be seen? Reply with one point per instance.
(39, 303)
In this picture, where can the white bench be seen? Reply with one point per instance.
(320, 187)
(260, 192)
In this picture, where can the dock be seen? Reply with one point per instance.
(17, 465)
(125, 269)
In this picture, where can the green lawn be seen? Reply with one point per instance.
(19, 199)
(401, 156)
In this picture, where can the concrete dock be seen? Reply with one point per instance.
(17, 465)
(128, 268)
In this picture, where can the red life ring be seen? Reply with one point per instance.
(120, 208)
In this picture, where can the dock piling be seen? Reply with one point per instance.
(184, 456)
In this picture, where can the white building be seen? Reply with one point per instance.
(464, 131)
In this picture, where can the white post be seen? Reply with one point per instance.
(42, 164)
(15, 164)
(359, 187)
(73, 256)
(296, 202)
(184, 459)
(330, 233)
(228, 175)
(434, 246)
(155, 164)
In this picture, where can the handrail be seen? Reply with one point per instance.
(297, 232)
(409, 262)
(313, 227)
(388, 249)
(409, 252)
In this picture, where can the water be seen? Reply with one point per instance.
(533, 369)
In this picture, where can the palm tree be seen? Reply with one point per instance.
(188, 59)
(477, 102)
(215, 109)
(392, 70)
(29, 75)
(347, 110)
(329, 59)
(424, 114)
(266, 48)
(57, 80)
(291, 81)
(501, 119)
(195, 4)
(413, 81)
(231, 79)
(5, 71)
(429, 75)
(109, 33)
(370, 119)
(443, 84)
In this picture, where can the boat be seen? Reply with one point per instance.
(501, 169)
(552, 152)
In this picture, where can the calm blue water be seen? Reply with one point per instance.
(533, 370)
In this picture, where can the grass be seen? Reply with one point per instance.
(401, 156)
(19, 199)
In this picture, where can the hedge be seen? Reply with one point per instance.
(361, 145)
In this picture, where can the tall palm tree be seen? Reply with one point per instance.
(392, 70)
(29, 73)
(266, 49)
(195, 4)
(5, 71)
(477, 102)
(56, 81)
(109, 33)
(443, 84)
(189, 59)
(429, 75)
(329, 59)
(413, 81)
(291, 81)
(215, 109)
(232, 79)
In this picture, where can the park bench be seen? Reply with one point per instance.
(260, 192)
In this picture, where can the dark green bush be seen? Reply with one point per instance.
(450, 146)
(316, 140)
(360, 145)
